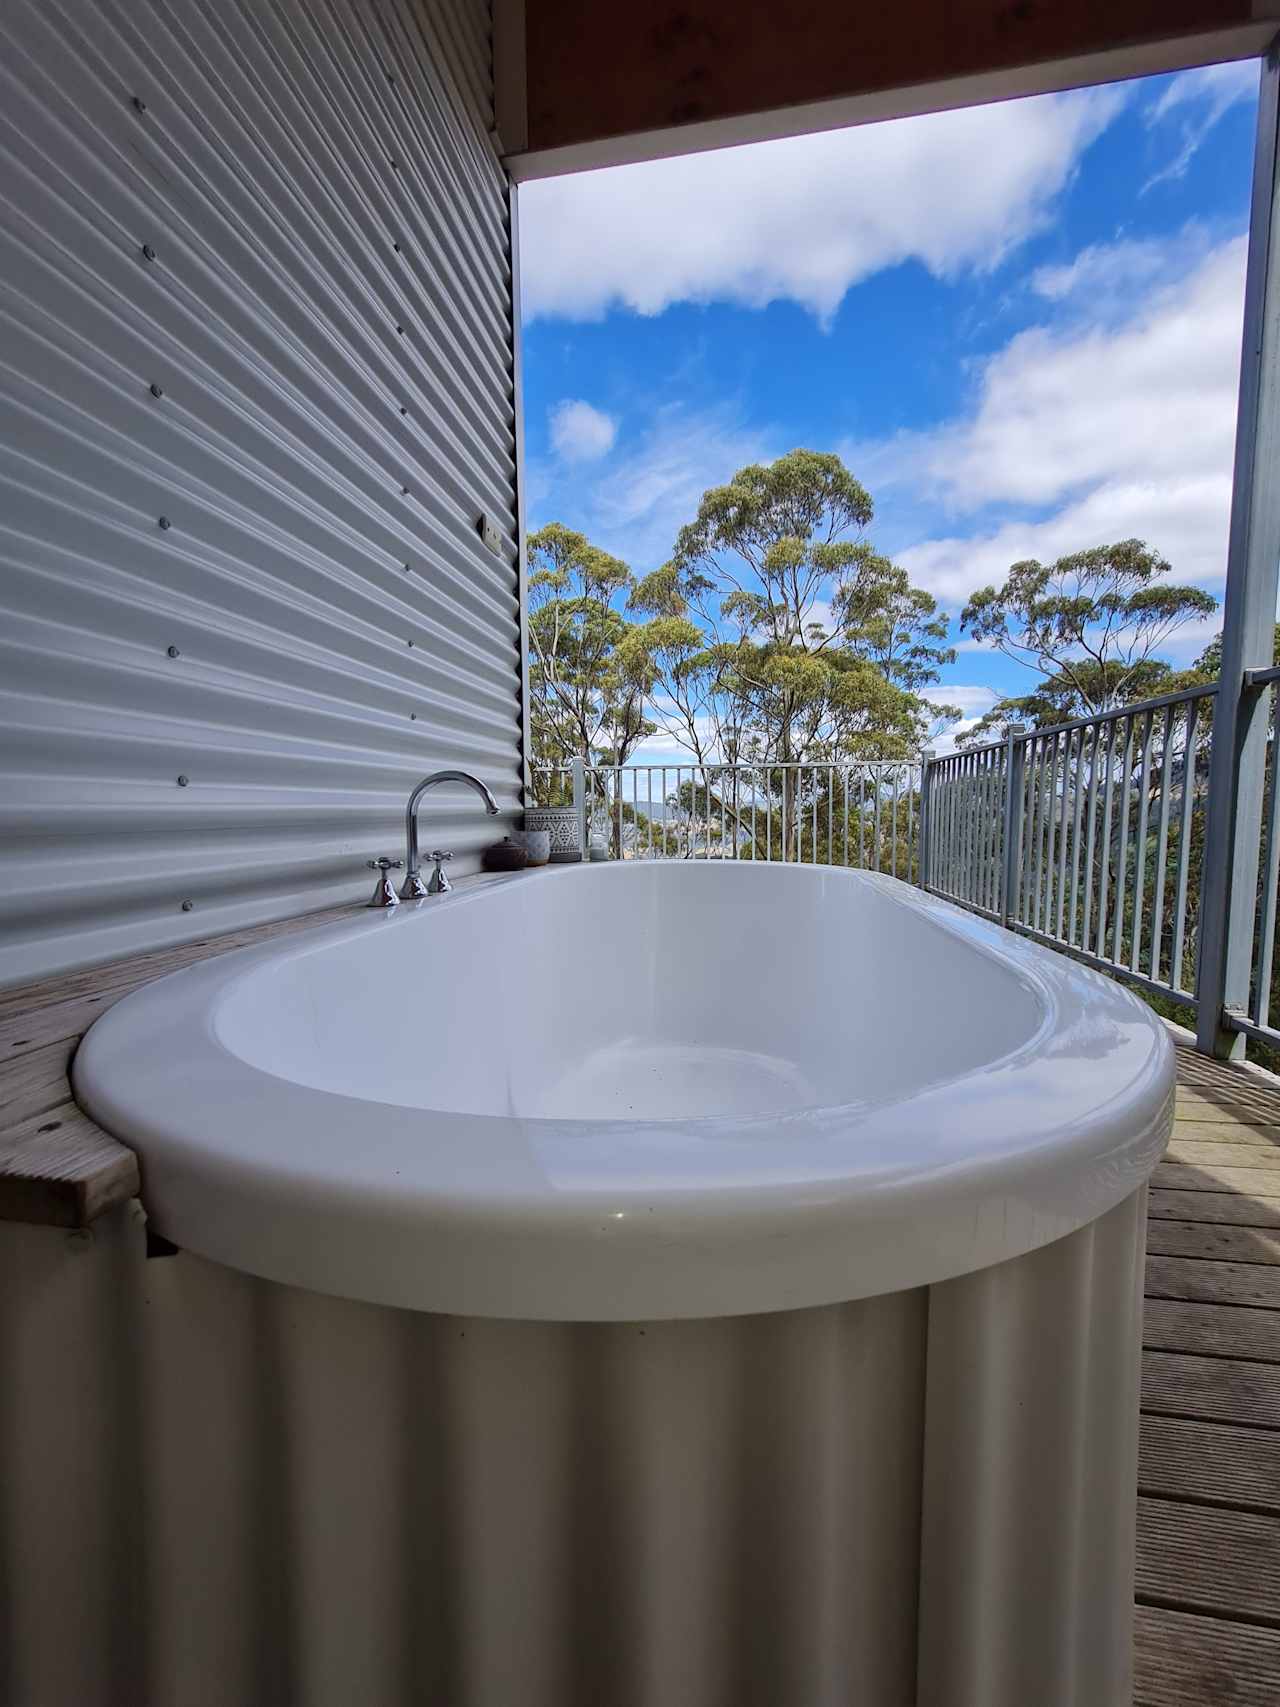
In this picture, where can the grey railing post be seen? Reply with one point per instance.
(1015, 758)
(578, 776)
(1238, 757)
(926, 828)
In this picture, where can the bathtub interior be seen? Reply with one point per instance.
(654, 992)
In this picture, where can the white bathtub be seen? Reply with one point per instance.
(771, 1242)
(634, 1091)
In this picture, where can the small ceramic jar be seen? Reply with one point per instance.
(536, 844)
(506, 855)
(563, 828)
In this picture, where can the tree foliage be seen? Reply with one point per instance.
(587, 688)
(777, 634)
(1091, 623)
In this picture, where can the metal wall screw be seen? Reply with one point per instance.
(148, 253)
(164, 523)
(395, 165)
(391, 76)
(411, 643)
(400, 330)
(139, 105)
(174, 652)
(408, 568)
(155, 390)
(187, 906)
(403, 410)
(413, 717)
(404, 491)
(182, 781)
(396, 247)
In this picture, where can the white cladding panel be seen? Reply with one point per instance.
(288, 219)
(220, 1492)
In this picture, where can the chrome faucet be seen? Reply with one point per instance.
(414, 889)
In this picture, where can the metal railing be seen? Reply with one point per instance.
(1086, 836)
(861, 813)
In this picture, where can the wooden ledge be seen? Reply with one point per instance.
(57, 1168)
(60, 1170)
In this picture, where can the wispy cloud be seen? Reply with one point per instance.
(804, 219)
(1106, 280)
(1196, 101)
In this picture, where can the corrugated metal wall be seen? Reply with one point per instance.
(254, 280)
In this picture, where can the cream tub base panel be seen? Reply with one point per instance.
(221, 1491)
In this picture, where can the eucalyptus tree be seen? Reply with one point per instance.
(777, 636)
(587, 686)
(1090, 624)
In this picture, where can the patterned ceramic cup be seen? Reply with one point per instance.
(564, 828)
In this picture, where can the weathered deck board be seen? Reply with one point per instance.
(1183, 1659)
(1212, 1330)
(1224, 1129)
(1209, 1559)
(34, 1082)
(1225, 1244)
(1226, 1207)
(1208, 1589)
(1200, 1280)
(1224, 1154)
(1248, 1182)
(1216, 1389)
(1210, 1463)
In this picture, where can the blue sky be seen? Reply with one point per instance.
(1019, 325)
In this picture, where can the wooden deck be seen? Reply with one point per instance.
(1208, 1621)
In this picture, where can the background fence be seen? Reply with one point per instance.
(1089, 837)
(864, 815)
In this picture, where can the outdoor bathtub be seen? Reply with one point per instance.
(766, 1249)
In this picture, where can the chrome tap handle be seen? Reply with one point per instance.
(439, 884)
(384, 895)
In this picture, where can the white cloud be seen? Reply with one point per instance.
(972, 698)
(1124, 429)
(636, 509)
(1106, 278)
(1185, 520)
(581, 433)
(1198, 99)
(804, 218)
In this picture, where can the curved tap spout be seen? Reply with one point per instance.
(414, 888)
